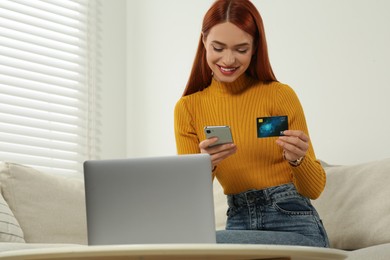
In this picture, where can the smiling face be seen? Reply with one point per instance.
(228, 51)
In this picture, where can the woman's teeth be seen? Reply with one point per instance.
(227, 69)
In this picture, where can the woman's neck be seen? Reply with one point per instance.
(236, 87)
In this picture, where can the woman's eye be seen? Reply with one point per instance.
(217, 49)
(243, 51)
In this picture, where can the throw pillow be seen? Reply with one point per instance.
(50, 208)
(355, 206)
(10, 230)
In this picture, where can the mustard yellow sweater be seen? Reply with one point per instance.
(258, 162)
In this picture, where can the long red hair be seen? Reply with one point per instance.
(245, 16)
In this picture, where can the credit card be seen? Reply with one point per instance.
(271, 126)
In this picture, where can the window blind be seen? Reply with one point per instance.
(44, 102)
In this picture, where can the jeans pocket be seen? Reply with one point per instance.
(232, 211)
(293, 206)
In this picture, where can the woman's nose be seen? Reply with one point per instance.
(228, 58)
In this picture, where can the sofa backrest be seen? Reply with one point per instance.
(355, 205)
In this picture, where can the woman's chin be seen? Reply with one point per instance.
(227, 78)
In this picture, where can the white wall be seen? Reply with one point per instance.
(112, 78)
(162, 40)
(335, 55)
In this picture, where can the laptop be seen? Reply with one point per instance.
(150, 200)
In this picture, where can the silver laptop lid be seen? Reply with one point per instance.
(150, 200)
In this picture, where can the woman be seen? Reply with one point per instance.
(268, 181)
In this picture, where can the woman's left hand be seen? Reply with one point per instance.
(295, 144)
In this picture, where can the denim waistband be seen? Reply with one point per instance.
(263, 196)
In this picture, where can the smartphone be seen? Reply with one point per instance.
(223, 133)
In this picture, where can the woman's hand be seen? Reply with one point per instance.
(295, 144)
(218, 152)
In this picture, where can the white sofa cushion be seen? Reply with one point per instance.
(220, 206)
(49, 208)
(355, 205)
(10, 230)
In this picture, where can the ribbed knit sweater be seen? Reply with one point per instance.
(258, 162)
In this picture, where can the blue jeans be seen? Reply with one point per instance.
(276, 215)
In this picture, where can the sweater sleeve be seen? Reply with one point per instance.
(309, 177)
(187, 141)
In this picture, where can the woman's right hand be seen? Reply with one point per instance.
(218, 152)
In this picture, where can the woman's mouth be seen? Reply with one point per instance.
(227, 70)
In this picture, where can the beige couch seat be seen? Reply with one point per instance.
(42, 210)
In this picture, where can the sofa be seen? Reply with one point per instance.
(43, 210)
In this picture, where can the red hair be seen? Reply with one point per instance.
(245, 16)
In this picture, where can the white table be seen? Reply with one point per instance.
(178, 251)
